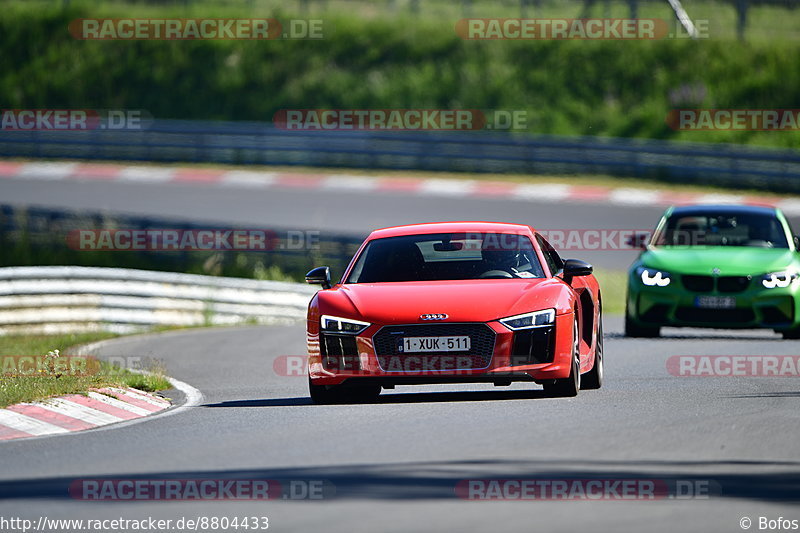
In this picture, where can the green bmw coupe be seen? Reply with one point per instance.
(716, 266)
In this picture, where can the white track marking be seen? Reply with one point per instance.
(76, 410)
(248, 178)
(719, 199)
(152, 400)
(350, 183)
(790, 206)
(146, 174)
(119, 404)
(49, 171)
(446, 187)
(27, 424)
(543, 192)
(629, 196)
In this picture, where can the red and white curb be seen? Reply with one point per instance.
(75, 412)
(539, 192)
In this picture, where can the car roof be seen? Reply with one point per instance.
(450, 227)
(701, 209)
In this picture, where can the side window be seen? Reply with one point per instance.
(550, 255)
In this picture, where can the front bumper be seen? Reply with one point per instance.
(526, 355)
(675, 305)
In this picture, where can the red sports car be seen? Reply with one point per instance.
(454, 302)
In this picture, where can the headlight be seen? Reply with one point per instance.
(335, 324)
(530, 320)
(652, 277)
(778, 279)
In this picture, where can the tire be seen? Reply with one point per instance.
(635, 330)
(593, 379)
(322, 395)
(569, 386)
(789, 334)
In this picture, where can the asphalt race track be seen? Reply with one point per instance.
(395, 465)
(334, 211)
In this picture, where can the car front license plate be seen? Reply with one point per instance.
(434, 344)
(715, 302)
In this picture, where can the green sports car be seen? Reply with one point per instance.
(716, 266)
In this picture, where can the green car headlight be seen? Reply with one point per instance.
(652, 277)
(530, 320)
(778, 280)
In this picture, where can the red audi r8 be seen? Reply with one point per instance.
(454, 302)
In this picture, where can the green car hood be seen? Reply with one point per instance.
(730, 260)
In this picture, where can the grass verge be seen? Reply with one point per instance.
(20, 384)
(613, 287)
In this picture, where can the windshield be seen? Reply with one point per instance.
(447, 256)
(722, 229)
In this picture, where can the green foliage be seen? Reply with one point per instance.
(29, 387)
(607, 88)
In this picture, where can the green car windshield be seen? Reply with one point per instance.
(722, 229)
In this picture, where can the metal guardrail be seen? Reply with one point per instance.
(260, 143)
(39, 236)
(74, 299)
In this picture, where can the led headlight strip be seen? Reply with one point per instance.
(335, 324)
(535, 319)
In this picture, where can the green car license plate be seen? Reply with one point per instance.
(715, 302)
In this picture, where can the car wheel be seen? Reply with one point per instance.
(635, 330)
(322, 395)
(791, 333)
(568, 386)
(593, 379)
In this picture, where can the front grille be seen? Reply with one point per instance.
(712, 316)
(533, 346)
(339, 352)
(387, 342)
(698, 283)
(733, 283)
(722, 284)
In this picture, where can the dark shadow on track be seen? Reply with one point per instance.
(700, 336)
(788, 394)
(403, 398)
(266, 402)
(419, 481)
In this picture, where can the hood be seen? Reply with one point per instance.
(730, 260)
(463, 301)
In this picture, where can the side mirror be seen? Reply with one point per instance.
(638, 240)
(575, 267)
(796, 240)
(319, 276)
